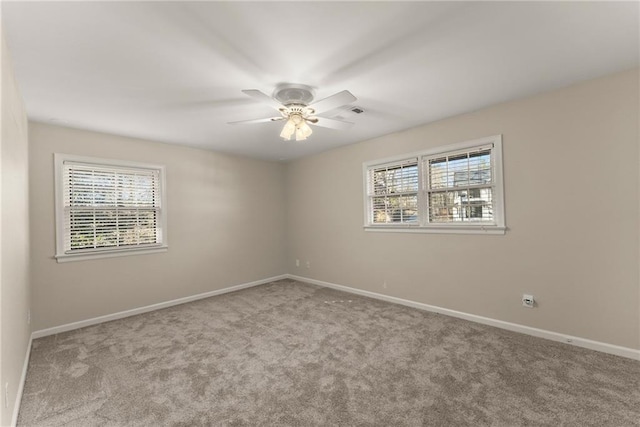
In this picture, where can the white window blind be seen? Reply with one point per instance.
(455, 188)
(106, 208)
(460, 186)
(393, 192)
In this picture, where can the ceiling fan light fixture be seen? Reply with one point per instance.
(292, 101)
(296, 124)
(304, 129)
(288, 130)
(300, 135)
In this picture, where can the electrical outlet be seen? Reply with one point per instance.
(528, 301)
(384, 284)
(29, 317)
(308, 264)
(297, 263)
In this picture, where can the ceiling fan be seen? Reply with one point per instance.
(294, 103)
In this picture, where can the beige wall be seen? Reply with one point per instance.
(571, 200)
(225, 227)
(14, 234)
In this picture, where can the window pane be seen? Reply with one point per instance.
(127, 228)
(441, 206)
(110, 207)
(395, 179)
(80, 188)
(395, 209)
(409, 208)
(81, 232)
(461, 206)
(105, 226)
(460, 170)
(147, 228)
(104, 188)
(480, 168)
(380, 214)
(438, 173)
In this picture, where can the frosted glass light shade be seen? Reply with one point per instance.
(288, 130)
(306, 129)
(298, 125)
(300, 135)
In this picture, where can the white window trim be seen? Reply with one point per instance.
(61, 256)
(448, 228)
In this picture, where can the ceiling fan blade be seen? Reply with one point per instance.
(333, 123)
(248, 122)
(334, 101)
(263, 97)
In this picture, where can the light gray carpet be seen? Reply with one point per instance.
(292, 354)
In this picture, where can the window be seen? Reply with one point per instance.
(452, 189)
(108, 208)
(395, 193)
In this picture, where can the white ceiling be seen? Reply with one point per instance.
(173, 71)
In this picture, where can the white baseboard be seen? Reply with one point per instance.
(147, 308)
(528, 330)
(23, 378)
(541, 333)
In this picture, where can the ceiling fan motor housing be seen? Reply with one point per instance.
(289, 93)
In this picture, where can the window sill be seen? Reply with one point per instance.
(446, 229)
(109, 254)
